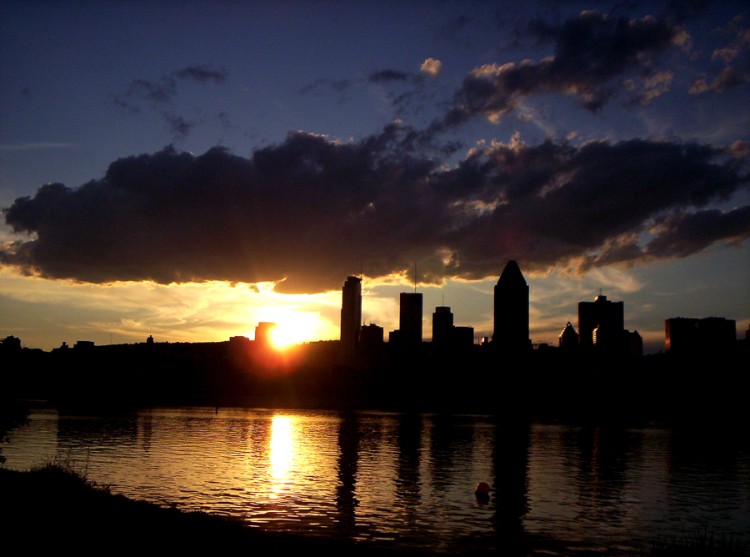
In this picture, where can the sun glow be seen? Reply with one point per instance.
(293, 327)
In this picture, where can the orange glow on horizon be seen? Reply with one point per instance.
(292, 327)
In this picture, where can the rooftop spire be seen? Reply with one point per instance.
(512, 275)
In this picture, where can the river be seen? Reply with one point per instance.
(409, 480)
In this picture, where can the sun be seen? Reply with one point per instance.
(292, 327)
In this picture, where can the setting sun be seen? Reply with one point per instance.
(293, 327)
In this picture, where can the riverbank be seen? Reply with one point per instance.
(55, 509)
(52, 508)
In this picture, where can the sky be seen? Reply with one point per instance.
(188, 169)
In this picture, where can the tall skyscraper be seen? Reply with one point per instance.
(603, 320)
(351, 313)
(511, 311)
(410, 318)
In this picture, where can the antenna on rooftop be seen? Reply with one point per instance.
(415, 276)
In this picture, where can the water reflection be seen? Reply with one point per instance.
(510, 458)
(602, 479)
(146, 429)
(449, 440)
(346, 501)
(281, 453)
(408, 480)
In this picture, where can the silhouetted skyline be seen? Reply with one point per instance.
(232, 170)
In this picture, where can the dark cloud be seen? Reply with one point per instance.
(682, 233)
(384, 76)
(590, 52)
(735, 60)
(338, 85)
(158, 92)
(310, 210)
(158, 96)
(202, 73)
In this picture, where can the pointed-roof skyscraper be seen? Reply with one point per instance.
(511, 332)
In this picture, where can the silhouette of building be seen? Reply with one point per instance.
(445, 335)
(568, 339)
(370, 337)
(462, 337)
(351, 313)
(442, 326)
(410, 319)
(263, 333)
(84, 345)
(699, 336)
(511, 311)
(601, 323)
(633, 343)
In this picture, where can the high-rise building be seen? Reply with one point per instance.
(371, 337)
(410, 318)
(442, 326)
(511, 332)
(263, 334)
(351, 313)
(601, 323)
(699, 336)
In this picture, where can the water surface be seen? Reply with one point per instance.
(409, 480)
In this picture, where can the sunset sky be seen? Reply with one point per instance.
(187, 169)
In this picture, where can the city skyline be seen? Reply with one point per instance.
(187, 170)
(600, 322)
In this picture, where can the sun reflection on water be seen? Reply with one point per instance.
(282, 452)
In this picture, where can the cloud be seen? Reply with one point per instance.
(681, 233)
(735, 57)
(726, 79)
(431, 67)
(384, 76)
(159, 95)
(310, 210)
(338, 85)
(202, 73)
(590, 52)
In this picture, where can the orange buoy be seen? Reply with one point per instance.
(482, 492)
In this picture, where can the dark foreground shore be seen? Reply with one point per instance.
(53, 509)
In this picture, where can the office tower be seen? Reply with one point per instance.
(351, 313)
(263, 333)
(371, 336)
(601, 323)
(511, 332)
(410, 318)
(700, 336)
(442, 326)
